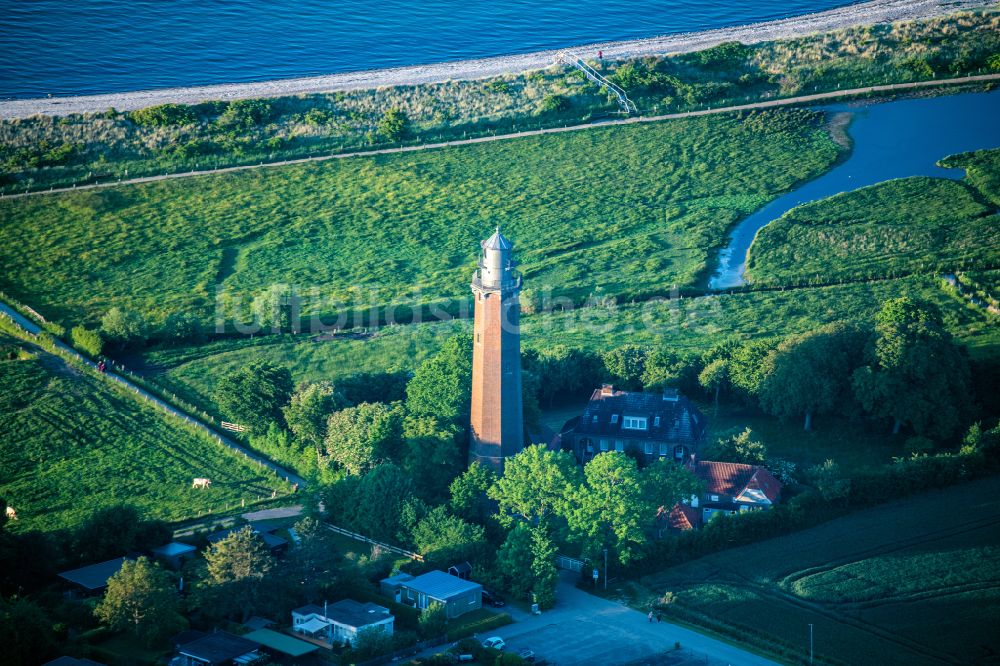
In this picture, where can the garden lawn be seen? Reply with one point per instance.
(912, 582)
(893, 228)
(73, 443)
(621, 210)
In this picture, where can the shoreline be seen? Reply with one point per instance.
(866, 13)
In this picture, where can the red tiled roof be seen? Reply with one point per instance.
(765, 482)
(722, 478)
(683, 517)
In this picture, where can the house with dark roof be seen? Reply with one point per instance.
(275, 544)
(651, 426)
(730, 488)
(342, 621)
(456, 595)
(93, 579)
(220, 649)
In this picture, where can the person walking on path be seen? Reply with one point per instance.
(650, 616)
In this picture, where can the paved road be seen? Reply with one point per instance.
(34, 329)
(585, 629)
(802, 99)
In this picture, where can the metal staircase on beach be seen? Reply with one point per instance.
(627, 105)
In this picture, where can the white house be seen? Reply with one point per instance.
(341, 622)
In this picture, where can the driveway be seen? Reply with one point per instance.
(585, 629)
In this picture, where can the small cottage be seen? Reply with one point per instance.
(341, 622)
(456, 595)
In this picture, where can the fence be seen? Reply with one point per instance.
(569, 563)
(362, 537)
(234, 427)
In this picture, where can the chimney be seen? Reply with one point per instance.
(607, 389)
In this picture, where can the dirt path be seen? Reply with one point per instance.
(788, 101)
(33, 329)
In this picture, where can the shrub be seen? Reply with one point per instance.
(164, 115)
(246, 113)
(86, 340)
(554, 104)
(464, 629)
(393, 126)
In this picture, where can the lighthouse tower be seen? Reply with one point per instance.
(497, 430)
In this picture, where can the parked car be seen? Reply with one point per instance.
(494, 642)
(493, 599)
(527, 655)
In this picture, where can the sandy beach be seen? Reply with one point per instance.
(867, 13)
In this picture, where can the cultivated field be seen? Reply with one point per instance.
(73, 444)
(915, 582)
(629, 210)
(893, 228)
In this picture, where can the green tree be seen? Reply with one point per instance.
(369, 643)
(829, 480)
(86, 340)
(107, 533)
(746, 366)
(183, 326)
(616, 505)
(142, 599)
(442, 384)
(276, 308)
(309, 410)
(713, 377)
(393, 126)
(740, 448)
(359, 438)
(254, 394)
(443, 538)
(313, 562)
(236, 567)
(433, 621)
(544, 575)
(515, 560)
(26, 632)
(627, 364)
(380, 499)
(568, 373)
(915, 374)
(811, 373)
(536, 482)
(431, 456)
(468, 493)
(123, 327)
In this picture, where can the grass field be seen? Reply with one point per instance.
(73, 443)
(626, 209)
(893, 228)
(687, 324)
(913, 582)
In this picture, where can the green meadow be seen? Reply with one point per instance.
(627, 209)
(74, 443)
(691, 324)
(892, 228)
(911, 582)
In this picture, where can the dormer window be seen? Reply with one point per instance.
(614, 418)
(636, 423)
(656, 422)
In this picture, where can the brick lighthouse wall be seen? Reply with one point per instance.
(497, 420)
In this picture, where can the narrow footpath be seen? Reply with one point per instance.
(33, 329)
(787, 101)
